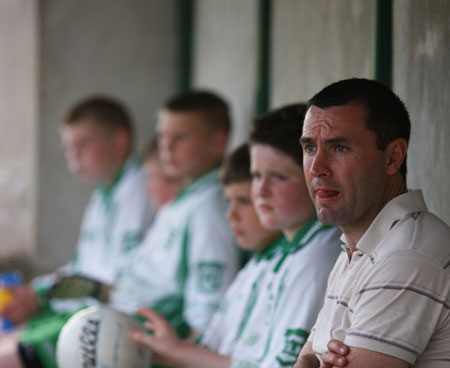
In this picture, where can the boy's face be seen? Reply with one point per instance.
(161, 188)
(243, 218)
(90, 151)
(279, 190)
(187, 147)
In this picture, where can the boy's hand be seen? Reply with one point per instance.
(23, 305)
(335, 356)
(164, 340)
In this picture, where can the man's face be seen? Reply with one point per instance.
(186, 145)
(90, 151)
(242, 216)
(344, 170)
(279, 192)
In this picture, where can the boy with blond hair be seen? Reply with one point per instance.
(188, 258)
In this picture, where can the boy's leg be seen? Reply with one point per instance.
(9, 356)
(37, 343)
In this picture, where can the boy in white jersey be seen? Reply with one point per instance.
(268, 311)
(188, 258)
(97, 138)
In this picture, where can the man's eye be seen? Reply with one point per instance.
(308, 148)
(256, 175)
(341, 149)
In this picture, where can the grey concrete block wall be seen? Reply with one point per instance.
(319, 42)
(422, 80)
(125, 49)
(18, 125)
(225, 56)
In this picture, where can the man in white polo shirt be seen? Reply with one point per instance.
(388, 297)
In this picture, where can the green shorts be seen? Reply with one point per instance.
(41, 334)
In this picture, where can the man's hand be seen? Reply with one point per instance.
(24, 304)
(335, 356)
(164, 340)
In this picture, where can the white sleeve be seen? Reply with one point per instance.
(212, 262)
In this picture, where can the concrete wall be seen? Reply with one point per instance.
(127, 49)
(225, 56)
(122, 48)
(422, 80)
(18, 125)
(319, 42)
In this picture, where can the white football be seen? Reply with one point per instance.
(96, 337)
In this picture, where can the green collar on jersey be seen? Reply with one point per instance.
(269, 251)
(312, 228)
(205, 180)
(106, 191)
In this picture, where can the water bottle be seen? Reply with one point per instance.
(7, 280)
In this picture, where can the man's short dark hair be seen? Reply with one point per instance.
(236, 167)
(281, 129)
(101, 110)
(210, 105)
(386, 114)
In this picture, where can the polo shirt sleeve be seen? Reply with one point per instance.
(212, 263)
(402, 301)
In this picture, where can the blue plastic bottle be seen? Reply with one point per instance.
(8, 279)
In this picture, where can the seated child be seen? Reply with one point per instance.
(268, 311)
(188, 258)
(97, 138)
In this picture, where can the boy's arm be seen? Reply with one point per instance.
(24, 304)
(169, 349)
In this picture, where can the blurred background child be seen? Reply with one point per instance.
(188, 258)
(97, 137)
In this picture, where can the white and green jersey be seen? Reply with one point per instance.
(113, 224)
(220, 336)
(268, 314)
(187, 260)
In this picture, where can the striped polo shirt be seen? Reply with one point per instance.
(392, 295)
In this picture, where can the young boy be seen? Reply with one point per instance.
(270, 308)
(250, 236)
(97, 137)
(188, 258)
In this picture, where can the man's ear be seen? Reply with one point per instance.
(395, 154)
